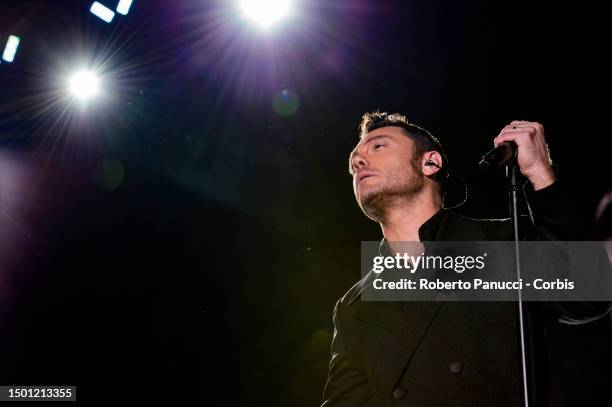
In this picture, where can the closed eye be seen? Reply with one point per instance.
(378, 145)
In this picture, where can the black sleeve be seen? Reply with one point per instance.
(346, 385)
(552, 212)
(554, 217)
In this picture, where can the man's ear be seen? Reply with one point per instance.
(431, 163)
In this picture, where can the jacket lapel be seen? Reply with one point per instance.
(406, 324)
(387, 354)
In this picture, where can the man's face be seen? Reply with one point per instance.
(383, 167)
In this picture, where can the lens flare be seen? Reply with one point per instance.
(84, 85)
(265, 12)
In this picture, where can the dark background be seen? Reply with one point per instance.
(179, 239)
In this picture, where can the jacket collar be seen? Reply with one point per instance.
(436, 229)
(444, 225)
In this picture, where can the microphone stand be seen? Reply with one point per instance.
(514, 187)
(505, 154)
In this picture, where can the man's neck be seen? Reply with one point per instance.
(403, 220)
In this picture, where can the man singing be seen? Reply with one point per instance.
(436, 353)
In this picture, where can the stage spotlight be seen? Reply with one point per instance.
(124, 6)
(11, 48)
(102, 12)
(265, 12)
(84, 85)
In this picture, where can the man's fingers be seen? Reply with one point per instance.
(519, 130)
(519, 126)
(516, 136)
(504, 136)
(523, 123)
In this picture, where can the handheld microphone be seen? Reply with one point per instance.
(499, 156)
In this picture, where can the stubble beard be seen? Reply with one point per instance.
(378, 202)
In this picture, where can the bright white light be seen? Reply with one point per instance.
(84, 85)
(99, 10)
(265, 12)
(124, 6)
(11, 48)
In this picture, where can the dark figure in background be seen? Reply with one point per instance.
(436, 353)
(603, 222)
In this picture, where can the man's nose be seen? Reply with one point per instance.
(359, 162)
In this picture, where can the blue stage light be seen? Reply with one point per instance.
(124, 6)
(11, 48)
(102, 12)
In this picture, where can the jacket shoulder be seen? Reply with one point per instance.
(353, 293)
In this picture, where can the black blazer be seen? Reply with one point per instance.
(442, 353)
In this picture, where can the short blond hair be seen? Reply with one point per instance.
(368, 120)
